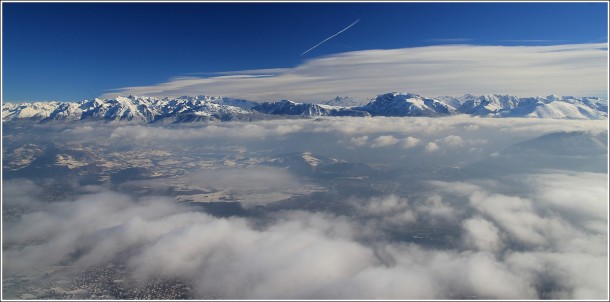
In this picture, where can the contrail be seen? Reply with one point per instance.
(332, 36)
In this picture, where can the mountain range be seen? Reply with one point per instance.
(147, 110)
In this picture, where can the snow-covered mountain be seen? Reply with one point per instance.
(243, 104)
(287, 107)
(141, 110)
(30, 111)
(399, 104)
(552, 106)
(344, 101)
(145, 110)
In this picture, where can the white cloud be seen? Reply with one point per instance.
(452, 140)
(436, 208)
(575, 69)
(576, 195)
(496, 237)
(384, 141)
(410, 142)
(432, 147)
(391, 209)
(359, 141)
(482, 234)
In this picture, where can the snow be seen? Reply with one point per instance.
(312, 161)
(146, 110)
(566, 110)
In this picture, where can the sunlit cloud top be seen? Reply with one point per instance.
(577, 69)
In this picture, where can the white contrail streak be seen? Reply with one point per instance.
(332, 36)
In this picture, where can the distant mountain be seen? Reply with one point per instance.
(576, 143)
(344, 102)
(287, 107)
(142, 110)
(398, 104)
(243, 104)
(552, 106)
(146, 110)
(574, 151)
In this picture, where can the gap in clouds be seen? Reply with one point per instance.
(524, 71)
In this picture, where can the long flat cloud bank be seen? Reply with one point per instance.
(574, 69)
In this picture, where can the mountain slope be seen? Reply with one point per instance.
(574, 151)
(286, 107)
(145, 110)
(552, 106)
(142, 110)
(398, 104)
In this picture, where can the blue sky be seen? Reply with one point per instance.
(75, 51)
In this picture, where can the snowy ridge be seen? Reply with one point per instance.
(145, 110)
(344, 101)
(34, 111)
(287, 107)
(552, 106)
(142, 110)
(399, 104)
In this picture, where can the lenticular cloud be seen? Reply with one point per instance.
(524, 71)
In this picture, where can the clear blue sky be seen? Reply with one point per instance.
(76, 51)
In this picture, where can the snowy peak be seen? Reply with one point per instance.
(493, 103)
(406, 104)
(552, 106)
(243, 104)
(343, 101)
(31, 111)
(287, 107)
(144, 110)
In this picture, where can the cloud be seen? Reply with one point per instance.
(450, 40)
(551, 243)
(410, 142)
(536, 41)
(571, 69)
(412, 230)
(432, 147)
(389, 140)
(384, 141)
(482, 234)
(359, 141)
(391, 209)
(300, 255)
(243, 130)
(435, 208)
(452, 140)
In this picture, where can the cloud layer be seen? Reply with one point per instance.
(575, 69)
(426, 223)
(508, 247)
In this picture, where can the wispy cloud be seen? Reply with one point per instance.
(534, 41)
(450, 40)
(573, 69)
(331, 36)
(267, 71)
